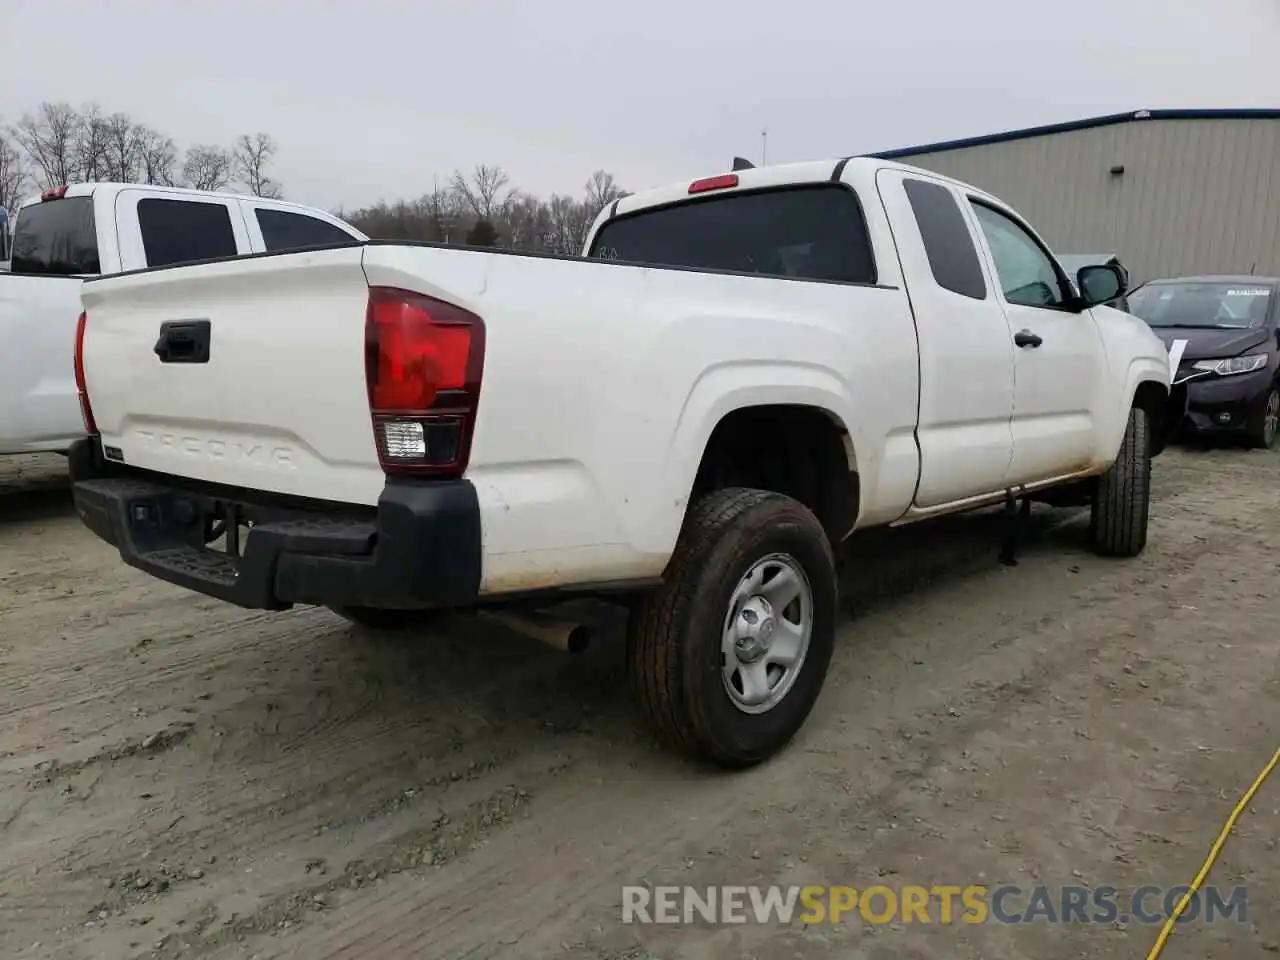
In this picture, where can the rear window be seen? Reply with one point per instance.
(282, 230)
(806, 233)
(182, 231)
(1227, 305)
(56, 238)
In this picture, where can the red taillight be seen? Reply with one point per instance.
(714, 183)
(86, 411)
(423, 362)
(56, 193)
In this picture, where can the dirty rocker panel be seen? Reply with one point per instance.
(420, 548)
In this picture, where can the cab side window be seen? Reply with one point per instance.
(282, 230)
(184, 231)
(1025, 271)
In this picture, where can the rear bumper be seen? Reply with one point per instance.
(420, 548)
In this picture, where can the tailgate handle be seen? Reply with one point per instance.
(183, 341)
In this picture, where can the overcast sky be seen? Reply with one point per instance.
(369, 100)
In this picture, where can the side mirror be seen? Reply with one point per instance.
(1100, 283)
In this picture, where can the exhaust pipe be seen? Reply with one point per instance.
(563, 635)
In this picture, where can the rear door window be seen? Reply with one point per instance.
(947, 242)
(56, 238)
(805, 233)
(183, 231)
(282, 230)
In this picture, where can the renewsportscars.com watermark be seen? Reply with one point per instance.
(937, 904)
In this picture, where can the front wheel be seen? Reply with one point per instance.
(1264, 420)
(727, 658)
(1122, 501)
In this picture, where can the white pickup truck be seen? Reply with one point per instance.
(69, 234)
(743, 371)
(4, 240)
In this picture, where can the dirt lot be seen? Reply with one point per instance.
(180, 778)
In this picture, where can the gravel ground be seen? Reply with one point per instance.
(181, 778)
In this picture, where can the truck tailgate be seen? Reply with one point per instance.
(279, 403)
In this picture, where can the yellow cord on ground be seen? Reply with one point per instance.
(1167, 929)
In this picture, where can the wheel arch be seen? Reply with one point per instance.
(802, 450)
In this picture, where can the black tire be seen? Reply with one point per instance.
(1261, 428)
(1122, 501)
(379, 620)
(674, 634)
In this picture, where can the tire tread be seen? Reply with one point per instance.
(656, 632)
(1121, 506)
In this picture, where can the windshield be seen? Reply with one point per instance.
(1227, 306)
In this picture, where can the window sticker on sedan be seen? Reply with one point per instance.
(1176, 349)
(1249, 292)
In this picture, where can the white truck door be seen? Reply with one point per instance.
(1059, 363)
(274, 228)
(966, 350)
(160, 228)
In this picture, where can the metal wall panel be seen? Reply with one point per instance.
(1196, 196)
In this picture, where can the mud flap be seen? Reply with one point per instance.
(1170, 418)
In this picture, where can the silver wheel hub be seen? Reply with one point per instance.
(755, 630)
(766, 633)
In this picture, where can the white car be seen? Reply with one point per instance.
(4, 240)
(741, 372)
(70, 234)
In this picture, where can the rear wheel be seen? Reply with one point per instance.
(727, 658)
(1264, 420)
(1122, 501)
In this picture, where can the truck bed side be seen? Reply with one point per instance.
(601, 385)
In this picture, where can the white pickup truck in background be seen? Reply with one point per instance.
(70, 234)
(743, 371)
(4, 240)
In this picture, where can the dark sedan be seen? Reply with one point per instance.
(1230, 363)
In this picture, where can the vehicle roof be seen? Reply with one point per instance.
(776, 175)
(109, 187)
(1240, 278)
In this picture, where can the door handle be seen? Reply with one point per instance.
(1025, 338)
(184, 341)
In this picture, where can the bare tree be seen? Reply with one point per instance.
(444, 211)
(207, 167)
(122, 152)
(157, 158)
(526, 225)
(485, 193)
(49, 138)
(521, 221)
(90, 144)
(602, 190)
(251, 157)
(13, 175)
(570, 221)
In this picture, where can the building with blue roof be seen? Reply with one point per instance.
(1170, 192)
